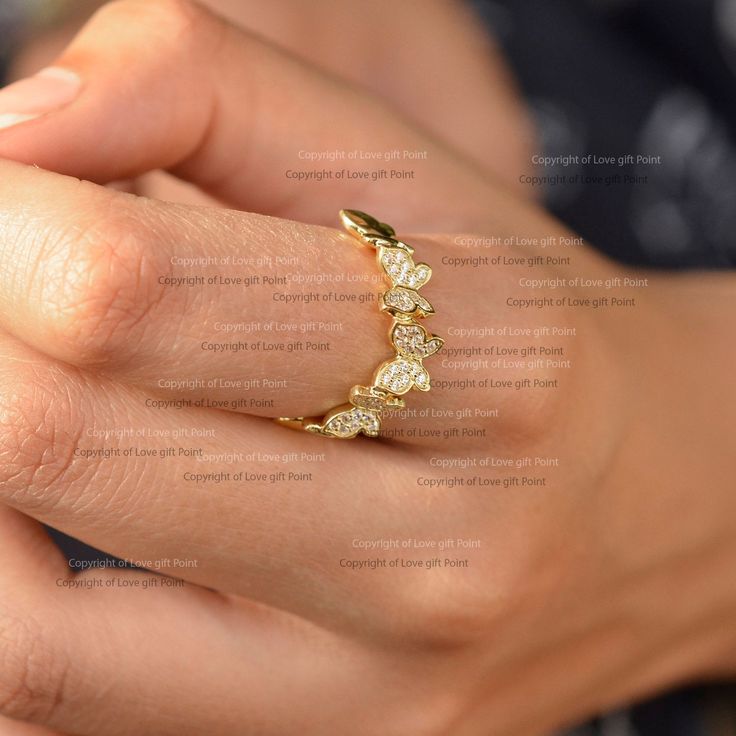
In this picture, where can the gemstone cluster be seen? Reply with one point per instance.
(412, 343)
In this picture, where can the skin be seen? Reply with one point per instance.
(612, 581)
(389, 54)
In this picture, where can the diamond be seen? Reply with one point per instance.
(397, 376)
(351, 422)
(400, 267)
(414, 341)
(373, 398)
(404, 303)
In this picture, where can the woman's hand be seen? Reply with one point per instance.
(598, 575)
(433, 61)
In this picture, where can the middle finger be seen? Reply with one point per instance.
(230, 502)
(235, 311)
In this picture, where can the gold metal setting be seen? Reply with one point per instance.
(412, 343)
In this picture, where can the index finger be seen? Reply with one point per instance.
(239, 117)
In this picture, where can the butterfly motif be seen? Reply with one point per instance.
(374, 399)
(346, 422)
(401, 269)
(401, 375)
(404, 304)
(413, 341)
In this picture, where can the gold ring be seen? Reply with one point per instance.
(411, 342)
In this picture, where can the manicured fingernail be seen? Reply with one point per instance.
(49, 90)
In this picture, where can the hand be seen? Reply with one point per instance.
(391, 50)
(602, 584)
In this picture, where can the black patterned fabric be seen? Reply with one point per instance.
(626, 79)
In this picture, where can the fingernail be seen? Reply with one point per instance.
(47, 91)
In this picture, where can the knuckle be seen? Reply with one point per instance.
(434, 713)
(529, 421)
(446, 612)
(97, 287)
(169, 19)
(39, 430)
(32, 675)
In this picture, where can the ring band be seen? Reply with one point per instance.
(411, 342)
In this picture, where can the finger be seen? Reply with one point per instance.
(396, 58)
(240, 497)
(91, 282)
(10, 727)
(87, 277)
(30, 566)
(232, 113)
(245, 506)
(111, 654)
(27, 548)
(132, 666)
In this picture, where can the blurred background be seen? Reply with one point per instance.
(634, 108)
(630, 78)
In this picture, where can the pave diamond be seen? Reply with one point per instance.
(422, 380)
(414, 341)
(404, 302)
(373, 398)
(400, 267)
(400, 375)
(410, 341)
(351, 422)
